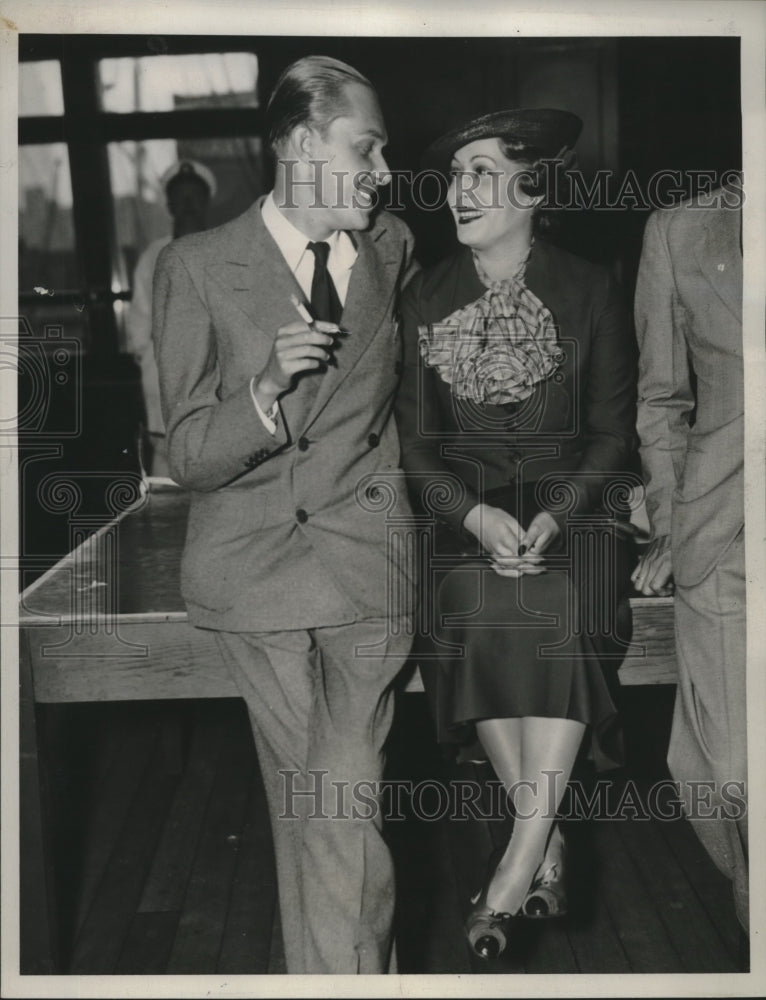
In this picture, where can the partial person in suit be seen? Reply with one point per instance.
(189, 187)
(280, 428)
(517, 419)
(690, 419)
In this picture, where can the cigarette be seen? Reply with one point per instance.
(308, 319)
(631, 530)
(303, 312)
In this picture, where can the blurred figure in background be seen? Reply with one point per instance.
(189, 188)
(691, 423)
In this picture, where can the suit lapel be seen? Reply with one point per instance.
(255, 275)
(259, 282)
(467, 286)
(464, 286)
(537, 276)
(719, 257)
(370, 289)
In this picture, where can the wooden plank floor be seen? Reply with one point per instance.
(164, 868)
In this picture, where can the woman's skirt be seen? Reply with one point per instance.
(545, 645)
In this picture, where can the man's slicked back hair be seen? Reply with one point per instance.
(311, 91)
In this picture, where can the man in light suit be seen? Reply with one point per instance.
(280, 428)
(690, 419)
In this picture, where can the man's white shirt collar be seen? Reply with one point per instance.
(293, 244)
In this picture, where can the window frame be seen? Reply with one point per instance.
(86, 131)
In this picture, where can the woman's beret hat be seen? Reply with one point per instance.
(549, 130)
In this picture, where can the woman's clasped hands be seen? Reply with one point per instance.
(512, 550)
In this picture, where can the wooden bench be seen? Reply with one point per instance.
(107, 623)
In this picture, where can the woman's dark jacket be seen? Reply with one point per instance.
(577, 428)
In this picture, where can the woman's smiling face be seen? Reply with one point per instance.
(484, 196)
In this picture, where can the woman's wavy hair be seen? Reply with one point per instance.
(311, 91)
(540, 177)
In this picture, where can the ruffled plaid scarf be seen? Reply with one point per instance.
(496, 349)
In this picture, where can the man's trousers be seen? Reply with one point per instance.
(708, 741)
(321, 706)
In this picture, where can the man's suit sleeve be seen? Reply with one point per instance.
(665, 398)
(211, 440)
(138, 321)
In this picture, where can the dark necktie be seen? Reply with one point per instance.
(325, 303)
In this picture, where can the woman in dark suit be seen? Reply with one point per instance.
(516, 416)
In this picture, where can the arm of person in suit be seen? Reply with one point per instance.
(652, 576)
(429, 478)
(138, 318)
(211, 440)
(665, 397)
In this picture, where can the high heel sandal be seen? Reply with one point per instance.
(485, 928)
(547, 895)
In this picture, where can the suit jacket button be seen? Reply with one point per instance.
(303, 444)
(301, 516)
(373, 440)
